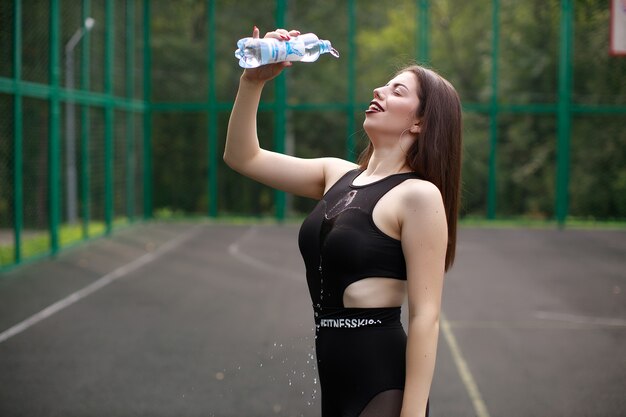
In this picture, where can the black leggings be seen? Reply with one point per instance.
(361, 361)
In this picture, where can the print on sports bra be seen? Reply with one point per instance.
(341, 205)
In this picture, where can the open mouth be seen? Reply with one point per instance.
(374, 107)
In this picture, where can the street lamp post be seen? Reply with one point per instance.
(70, 122)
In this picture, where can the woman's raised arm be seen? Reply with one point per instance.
(305, 177)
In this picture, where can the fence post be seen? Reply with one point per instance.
(130, 114)
(564, 112)
(54, 154)
(280, 101)
(350, 146)
(147, 118)
(109, 25)
(212, 114)
(84, 124)
(493, 112)
(423, 51)
(18, 132)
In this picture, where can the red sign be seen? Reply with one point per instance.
(617, 44)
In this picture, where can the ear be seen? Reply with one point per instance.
(416, 128)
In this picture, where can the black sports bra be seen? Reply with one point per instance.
(341, 244)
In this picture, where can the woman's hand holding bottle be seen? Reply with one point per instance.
(265, 73)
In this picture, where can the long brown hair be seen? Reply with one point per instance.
(436, 154)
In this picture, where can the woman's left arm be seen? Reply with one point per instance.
(424, 239)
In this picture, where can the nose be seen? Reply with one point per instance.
(378, 93)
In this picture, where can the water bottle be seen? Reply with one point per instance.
(307, 47)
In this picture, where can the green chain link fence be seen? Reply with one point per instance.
(544, 107)
(72, 110)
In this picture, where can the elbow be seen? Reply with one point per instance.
(424, 326)
(230, 161)
(242, 162)
(425, 318)
(230, 155)
(226, 158)
(236, 164)
(234, 154)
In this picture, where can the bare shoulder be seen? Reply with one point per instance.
(422, 204)
(417, 193)
(335, 168)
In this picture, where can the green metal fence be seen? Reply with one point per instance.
(73, 148)
(155, 80)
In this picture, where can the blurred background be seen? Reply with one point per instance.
(113, 115)
(115, 111)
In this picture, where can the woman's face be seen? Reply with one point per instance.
(394, 107)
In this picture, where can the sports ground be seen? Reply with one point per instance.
(202, 319)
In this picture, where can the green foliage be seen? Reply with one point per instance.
(384, 50)
(386, 37)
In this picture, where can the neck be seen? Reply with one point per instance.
(386, 162)
(389, 154)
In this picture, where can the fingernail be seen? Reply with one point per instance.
(256, 28)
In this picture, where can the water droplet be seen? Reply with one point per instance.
(302, 393)
(315, 380)
(261, 365)
(290, 382)
(219, 376)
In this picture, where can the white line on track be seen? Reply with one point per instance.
(98, 284)
(466, 376)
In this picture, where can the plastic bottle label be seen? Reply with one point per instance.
(284, 51)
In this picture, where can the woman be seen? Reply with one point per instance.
(383, 230)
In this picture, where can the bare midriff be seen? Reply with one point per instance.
(375, 292)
